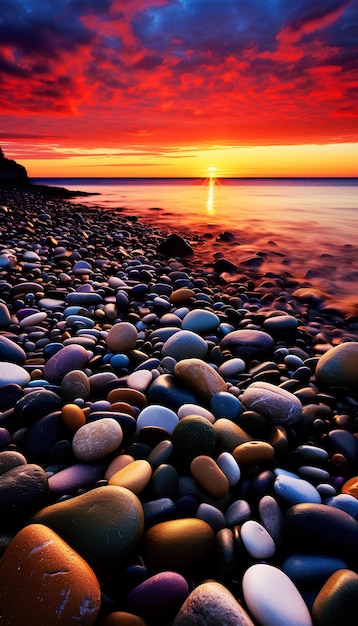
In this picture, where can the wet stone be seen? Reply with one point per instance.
(339, 367)
(276, 404)
(95, 440)
(11, 351)
(36, 404)
(66, 586)
(72, 357)
(200, 377)
(215, 604)
(178, 544)
(23, 489)
(248, 344)
(337, 601)
(103, 525)
(185, 344)
(13, 374)
(193, 436)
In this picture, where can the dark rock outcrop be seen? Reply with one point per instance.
(12, 172)
(174, 245)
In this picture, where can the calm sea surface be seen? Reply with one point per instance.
(303, 225)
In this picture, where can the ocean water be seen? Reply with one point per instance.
(306, 227)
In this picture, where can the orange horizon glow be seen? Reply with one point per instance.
(299, 161)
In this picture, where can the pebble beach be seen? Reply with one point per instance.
(178, 431)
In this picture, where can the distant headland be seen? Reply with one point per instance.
(15, 175)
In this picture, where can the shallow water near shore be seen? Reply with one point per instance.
(305, 227)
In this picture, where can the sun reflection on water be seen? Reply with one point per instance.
(211, 182)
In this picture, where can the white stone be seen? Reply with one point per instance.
(33, 320)
(157, 415)
(229, 466)
(195, 409)
(272, 598)
(257, 541)
(10, 373)
(231, 367)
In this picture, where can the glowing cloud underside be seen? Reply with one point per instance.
(164, 85)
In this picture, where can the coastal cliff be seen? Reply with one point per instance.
(14, 175)
(12, 172)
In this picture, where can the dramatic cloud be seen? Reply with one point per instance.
(97, 73)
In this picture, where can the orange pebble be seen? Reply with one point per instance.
(209, 476)
(73, 416)
(125, 394)
(123, 407)
(120, 618)
(135, 476)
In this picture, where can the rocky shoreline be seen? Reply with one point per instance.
(178, 439)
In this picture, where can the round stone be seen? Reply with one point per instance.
(12, 374)
(134, 476)
(75, 385)
(185, 344)
(209, 476)
(278, 405)
(122, 618)
(257, 541)
(103, 525)
(10, 459)
(97, 439)
(253, 453)
(229, 435)
(178, 544)
(43, 579)
(318, 528)
(33, 320)
(192, 436)
(156, 415)
(200, 321)
(350, 487)
(337, 601)
(161, 594)
(36, 404)
(271, 517)
(181, 295)
(232, 367)
(73, 416)
(195, 409)
(10, 351)
(229, 466)
(22, 490)
(280, 324)
(122, 337)
(272, 598)
(212, 603)
(5, 317)
(72, 357)
(225, 404)
(74, 477)
(311, 570)
(200, 377)
(338, 367)
(248, 344)
(295, 490)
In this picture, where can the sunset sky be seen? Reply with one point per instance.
(174, 87)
